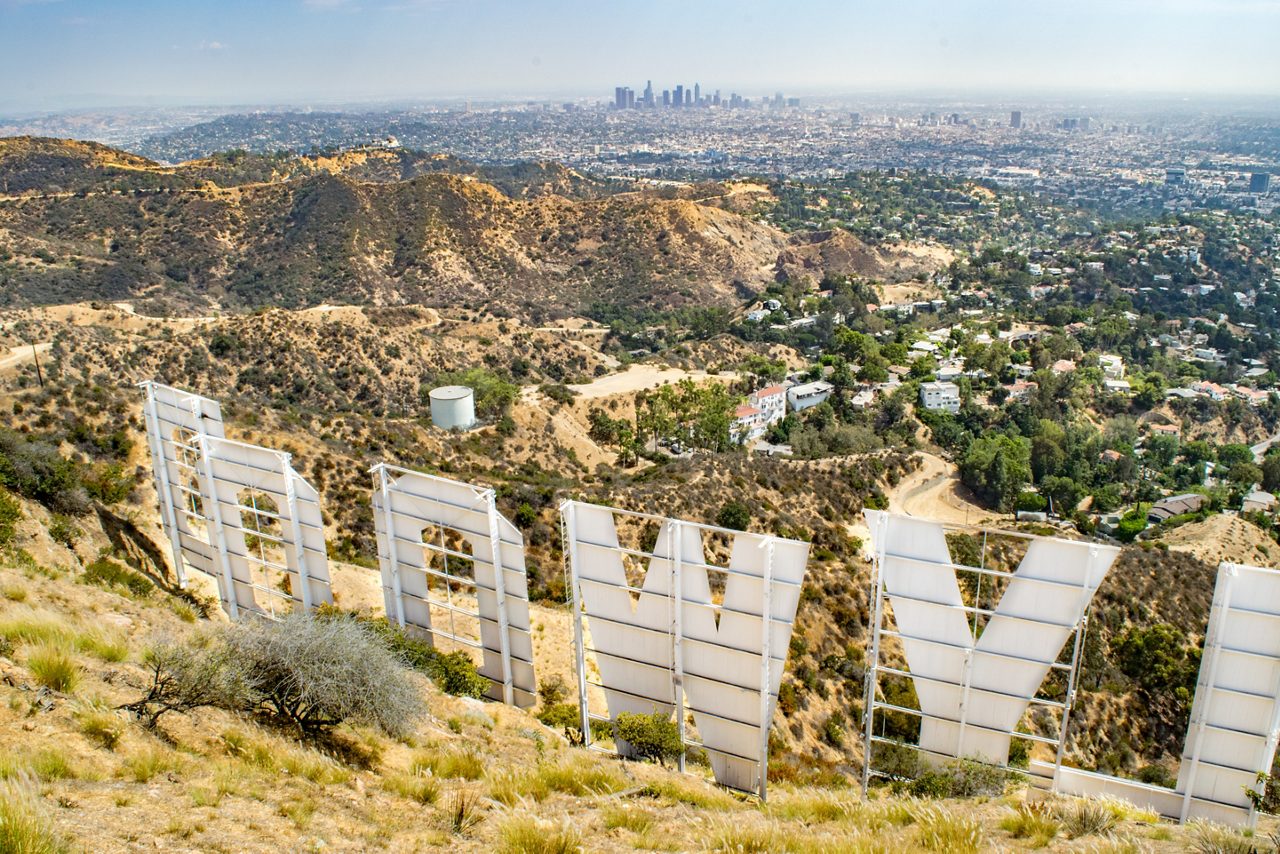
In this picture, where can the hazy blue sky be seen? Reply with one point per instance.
(56, 53)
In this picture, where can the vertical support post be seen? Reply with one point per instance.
(295, 527)
(213, 515)
(1227, 573)
(388, 524)
(966, 680)
(675, 543)
(164, 492)
(1269, 752)
(766, 656)
(500, 592)
(568, 513)
(873, 654)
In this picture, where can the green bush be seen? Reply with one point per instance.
(106, 572)
(735, 515)
(962, 778)
(10, 515)
(653, 736)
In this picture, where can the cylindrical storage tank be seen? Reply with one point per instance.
(453, 407)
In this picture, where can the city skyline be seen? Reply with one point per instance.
(82, 53)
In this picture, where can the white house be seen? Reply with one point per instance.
(748, 424)
(1112, 366)
(772, 401)
(940, 397)
(801, 397)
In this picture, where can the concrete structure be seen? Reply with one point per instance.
(940, 397)
(748, 424)
(806, 395)
(1258, 502)
(1112, 366)
(453, 407)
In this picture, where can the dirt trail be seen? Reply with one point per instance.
(22, 354)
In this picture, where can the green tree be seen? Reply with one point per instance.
(996, 468)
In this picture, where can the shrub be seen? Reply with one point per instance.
(106, 572)
(64, 531)
(10, 515)
(1210, 838)
(147, 763)
(453, 672)
(962, 778)
(734, 514)
(653, 736)
(317, 673)
(189, 675)
(24, 826)
(552, 690)
(463, 811)
(631, 818)
(107, 647)
(52, 666)
(31, 625)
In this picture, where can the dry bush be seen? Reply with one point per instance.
(939, 830)
(317, 673)
(190, 674)
(1035, 822)
(1087, 817)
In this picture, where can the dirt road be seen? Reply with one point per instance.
(22, 354)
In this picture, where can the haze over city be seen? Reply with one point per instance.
(82, 53)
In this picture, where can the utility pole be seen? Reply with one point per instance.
(35, 354)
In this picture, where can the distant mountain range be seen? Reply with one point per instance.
(381, 226)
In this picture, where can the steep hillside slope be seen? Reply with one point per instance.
(381, 227)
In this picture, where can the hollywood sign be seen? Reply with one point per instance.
(694, 622)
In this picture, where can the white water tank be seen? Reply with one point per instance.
(453, 407)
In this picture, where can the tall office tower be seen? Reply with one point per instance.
(678, 96)
(648, 93)
(1086, 123)
(1015, 119)
(688, 97)
(697, 94)
(619, 97)
(631, 98)
(1259, 182)
(777, 99)
(855, 119)
(715, 99)
(666, 97)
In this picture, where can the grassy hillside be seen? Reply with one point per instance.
(80, 775)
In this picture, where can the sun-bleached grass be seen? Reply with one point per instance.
(527, 834)
(748, 836)
(1087, 817)
(449, 763)
(25, 827)
(1211, 838)
(463, 811)
(105, 646)
(1033, 822)
(103, 728)
(43, 764)
(817, 806)
(52, 666)
(948, 832)
(1125, 811)
(577, 776)
(276, 756)
(148, 762)
(34, 626)
(690, 793)
(628, 817)
(419, 788)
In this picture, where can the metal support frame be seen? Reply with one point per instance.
(299, 547)
(500, 589)
(160, 472)
(568, 515)
(493, 533)
(214, 517)
(1227, 574)
(675, 539)
(876, 668)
